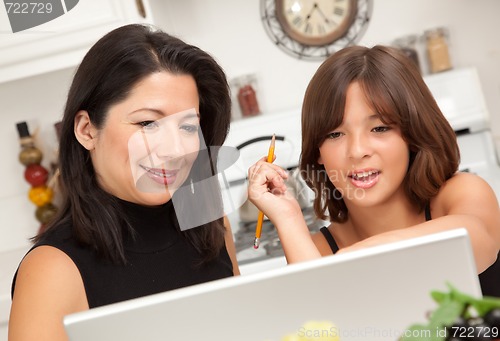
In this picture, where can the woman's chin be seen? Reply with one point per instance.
(154, 199)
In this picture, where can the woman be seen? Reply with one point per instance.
(139, 112)
(382, 160)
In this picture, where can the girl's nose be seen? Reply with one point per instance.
(359, 146)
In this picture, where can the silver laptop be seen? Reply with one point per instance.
(370, 294)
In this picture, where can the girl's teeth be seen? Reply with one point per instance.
(362, 175)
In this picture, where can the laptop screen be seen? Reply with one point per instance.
(370, 294)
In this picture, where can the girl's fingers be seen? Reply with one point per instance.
(262, 162)
(266, 177)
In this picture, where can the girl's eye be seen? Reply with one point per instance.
(381, 129)
(334, 135)
(148, 124)
(189, 128)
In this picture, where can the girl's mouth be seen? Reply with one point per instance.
(364, 179)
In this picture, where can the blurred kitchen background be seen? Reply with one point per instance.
(35, 75)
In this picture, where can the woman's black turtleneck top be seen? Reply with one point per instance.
(159, 259)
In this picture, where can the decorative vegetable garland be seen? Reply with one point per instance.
(41, 192)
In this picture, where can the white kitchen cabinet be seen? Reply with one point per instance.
(62, 42)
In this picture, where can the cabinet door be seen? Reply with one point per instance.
(62, 42)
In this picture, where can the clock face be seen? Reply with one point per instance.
(315, 22)
(315, 29)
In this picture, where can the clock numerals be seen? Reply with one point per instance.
(308, 29)
(297, 21)
(339, 11)
(321, 29)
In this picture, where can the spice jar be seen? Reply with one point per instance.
(437, 49)
(29, 154)
(247, 97)
(407, 44)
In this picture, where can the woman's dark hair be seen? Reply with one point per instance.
(107, 74)
(396, 91)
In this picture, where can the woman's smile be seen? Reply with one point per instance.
(161, 175)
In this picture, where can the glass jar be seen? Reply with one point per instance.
(247, 96)
(437, 49)
(407, 44)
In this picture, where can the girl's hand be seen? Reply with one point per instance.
(267, 190)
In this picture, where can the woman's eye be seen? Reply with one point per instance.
(189, 128)
(381, 129)
(334, 135)
(148, 124)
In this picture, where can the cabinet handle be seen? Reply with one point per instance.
(140, 8)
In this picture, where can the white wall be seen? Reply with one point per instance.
(232, 31)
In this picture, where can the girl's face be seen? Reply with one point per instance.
(366, 160)
(149, 141)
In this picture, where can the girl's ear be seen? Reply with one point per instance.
(320, 160)
(85, 131)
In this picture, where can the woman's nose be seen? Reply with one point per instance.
(169, 143)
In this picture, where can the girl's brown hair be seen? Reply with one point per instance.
(396, 91)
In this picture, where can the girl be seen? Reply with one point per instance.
(382, 160)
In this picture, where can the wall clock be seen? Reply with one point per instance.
(314, 29)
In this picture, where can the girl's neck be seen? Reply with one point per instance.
(365, 222)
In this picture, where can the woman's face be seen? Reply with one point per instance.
(366, 160)
(149, 141)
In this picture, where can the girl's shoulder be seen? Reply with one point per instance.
(464, 189)
(461, 181)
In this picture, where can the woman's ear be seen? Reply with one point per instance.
(85, 131)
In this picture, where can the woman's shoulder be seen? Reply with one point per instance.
(47, 261)
(48, 274)
(50, 261)
(48, 287)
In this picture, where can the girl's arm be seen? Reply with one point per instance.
(465, 200)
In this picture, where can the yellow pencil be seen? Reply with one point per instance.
(260, 219)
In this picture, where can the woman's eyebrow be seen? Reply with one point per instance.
(156, 111)
(191, 115)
